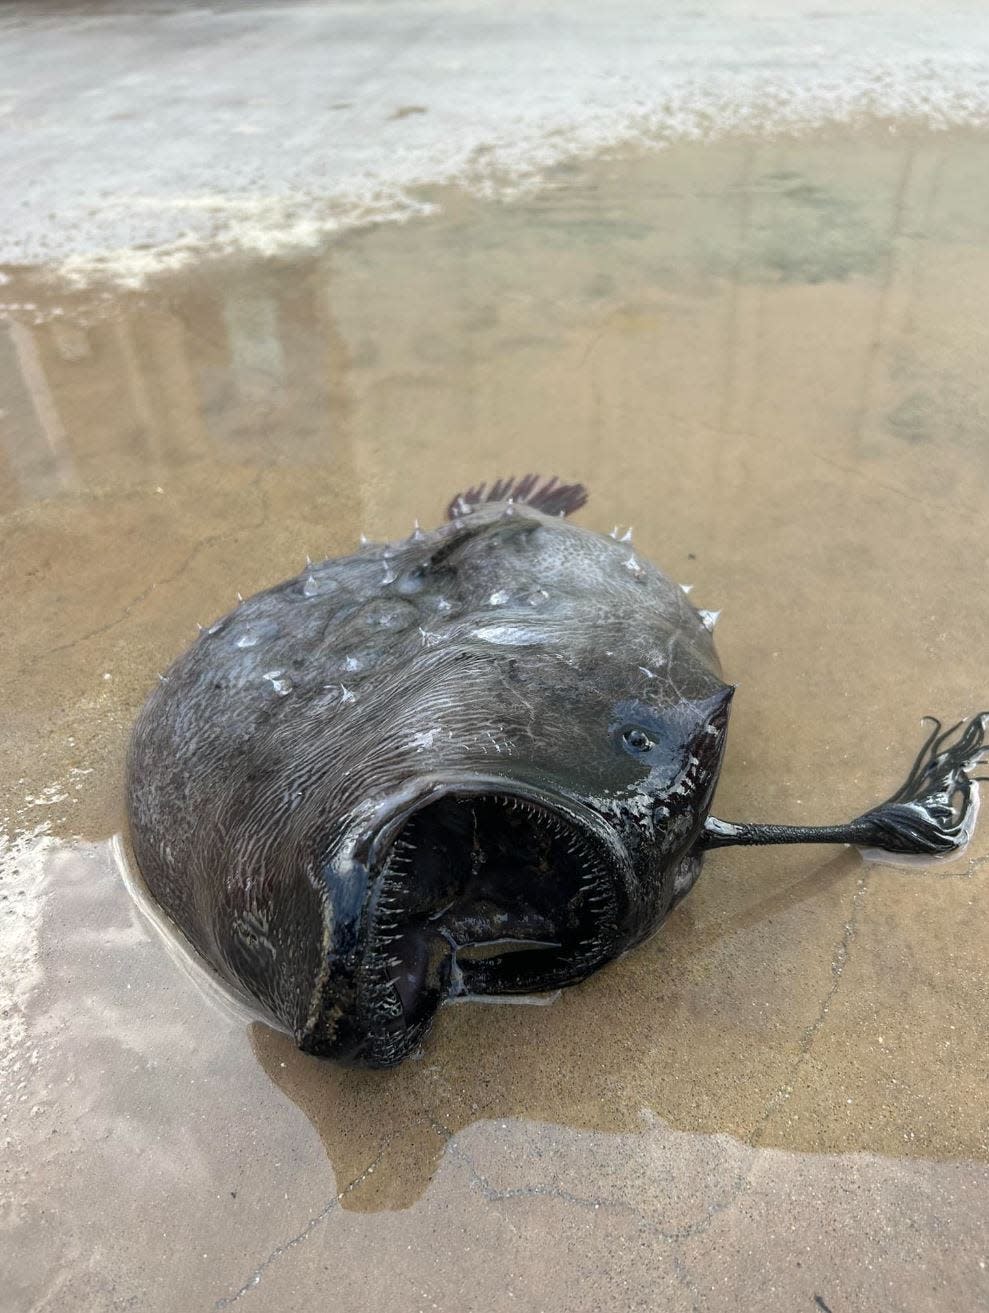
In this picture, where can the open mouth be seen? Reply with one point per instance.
(480, 894)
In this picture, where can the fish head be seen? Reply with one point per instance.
(535, 832)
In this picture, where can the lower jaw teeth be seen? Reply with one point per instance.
(465, 864)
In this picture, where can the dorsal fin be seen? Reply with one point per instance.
(553, 498)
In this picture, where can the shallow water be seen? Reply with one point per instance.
(768, 356)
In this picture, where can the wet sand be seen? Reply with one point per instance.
(768, 356)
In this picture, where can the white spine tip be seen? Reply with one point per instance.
(364, 540)
(614, 533)
(708, 619)
(626, 536)
(240, 597)
(687, 588)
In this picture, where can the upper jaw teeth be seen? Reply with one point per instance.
(399, 911)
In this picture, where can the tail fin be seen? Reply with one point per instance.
(553, 498)
(933, 812)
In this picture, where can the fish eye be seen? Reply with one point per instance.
(636, 739)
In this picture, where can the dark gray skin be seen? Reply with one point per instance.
(479, 761)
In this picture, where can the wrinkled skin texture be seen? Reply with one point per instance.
(475, 761)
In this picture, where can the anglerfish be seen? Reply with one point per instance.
(476, 762)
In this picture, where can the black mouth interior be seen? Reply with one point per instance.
(480, 895)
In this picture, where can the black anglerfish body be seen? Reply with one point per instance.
(478, 761)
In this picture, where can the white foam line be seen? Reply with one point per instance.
(134, 143)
